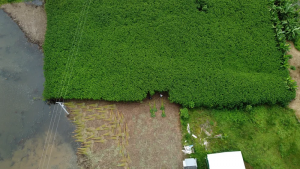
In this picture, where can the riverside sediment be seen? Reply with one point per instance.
(32, 20)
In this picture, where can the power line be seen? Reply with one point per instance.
(68, 80)
(62, 81)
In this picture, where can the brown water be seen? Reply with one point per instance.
(24, 116)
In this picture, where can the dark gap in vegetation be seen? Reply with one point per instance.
(201, 5)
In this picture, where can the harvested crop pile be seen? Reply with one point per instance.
(105, 144)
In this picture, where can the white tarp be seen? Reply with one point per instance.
(188, 149)
(226, 160)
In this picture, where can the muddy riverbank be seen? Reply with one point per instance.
(25, 117)
(31, 19)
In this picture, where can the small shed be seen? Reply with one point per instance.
(226, 160)
(190, 163)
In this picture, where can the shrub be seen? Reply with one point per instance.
(184, 114)
(248, 108)
(152, 93)
(191, 104)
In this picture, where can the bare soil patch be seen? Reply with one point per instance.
(147, 143)
(31, 19)
(295, 74)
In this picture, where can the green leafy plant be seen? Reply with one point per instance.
(291, 84)
(152, 93)
(285, 17)
(285, 64)
(184, 113)
(286, 57)
(248, 108)
(163, 114)
(293, 67)
(162, 107)
(191, 104)
(154, 107)
(284, 46)
(152, 111)
(297, 43)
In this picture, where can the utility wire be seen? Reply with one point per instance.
(70, 75)
(62, 81)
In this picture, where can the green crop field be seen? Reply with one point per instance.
(218, 53)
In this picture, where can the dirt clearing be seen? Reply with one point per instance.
(31, 19)
(125, 134)
(295, 74)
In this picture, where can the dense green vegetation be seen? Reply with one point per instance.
(9, 1)
(212, 53)
(269, 137)
(297, 43)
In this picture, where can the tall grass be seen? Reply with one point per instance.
(269, 137)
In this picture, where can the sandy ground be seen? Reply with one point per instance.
(153, 142)
(295, 74)
(31, 19)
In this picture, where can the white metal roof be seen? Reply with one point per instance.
(190, 162)
(226, 160)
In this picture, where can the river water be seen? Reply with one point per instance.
(35, 2)
(26, 141)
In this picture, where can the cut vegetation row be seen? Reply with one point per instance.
(123, 135)
(103, 133)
